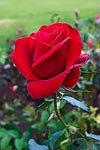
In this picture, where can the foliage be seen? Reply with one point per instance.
(57, 137)
(11, 137)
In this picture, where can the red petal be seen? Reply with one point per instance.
(41, 49)
(42, 28)
(72, 77)
(82, 59)
(43, 43)
(58, 38)
(58, 27)
(44, 88)
(49, 53)
(52, 63)
(22, 56)
(74, 47)
(44, 37)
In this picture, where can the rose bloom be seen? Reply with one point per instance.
(49, 58)
(89, 43)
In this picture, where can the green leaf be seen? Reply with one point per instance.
(54, 124)
(44, 105)
(76, 103)
(5, 141)
(25, 146)
(13, 127)
(34, 146)
(51, 108)
(40, 126)
(93, 136)
(3, 132)
(55, 137)
(71, 147)
(26, 135)
(14, 133)
(19, 144)
(81, 144)
(96, 147)
(62, 104)
(44, 116)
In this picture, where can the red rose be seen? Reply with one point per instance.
(49, 58)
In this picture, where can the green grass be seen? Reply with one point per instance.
(31, 14)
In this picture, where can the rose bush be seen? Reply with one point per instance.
(49, 58)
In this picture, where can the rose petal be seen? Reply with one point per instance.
(75, 43)
(52, 51)
(44, 37)
(22, 56)
(43, 43)
(74, 47)
(72, 77)
(58, 27)
(41, 49)
(42, 28)
(58, 38)
(46, 41)
(52, 63)
(82, 59)
(43, 88)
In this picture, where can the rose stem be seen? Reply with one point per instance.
(60, 117)
(58, 114)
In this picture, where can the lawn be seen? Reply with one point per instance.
(30, 14)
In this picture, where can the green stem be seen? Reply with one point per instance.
(58, 113)
(60, 117)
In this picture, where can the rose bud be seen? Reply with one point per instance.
(50, 58)
(97, 19)
(77, 13)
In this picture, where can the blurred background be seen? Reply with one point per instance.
(29, 15)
